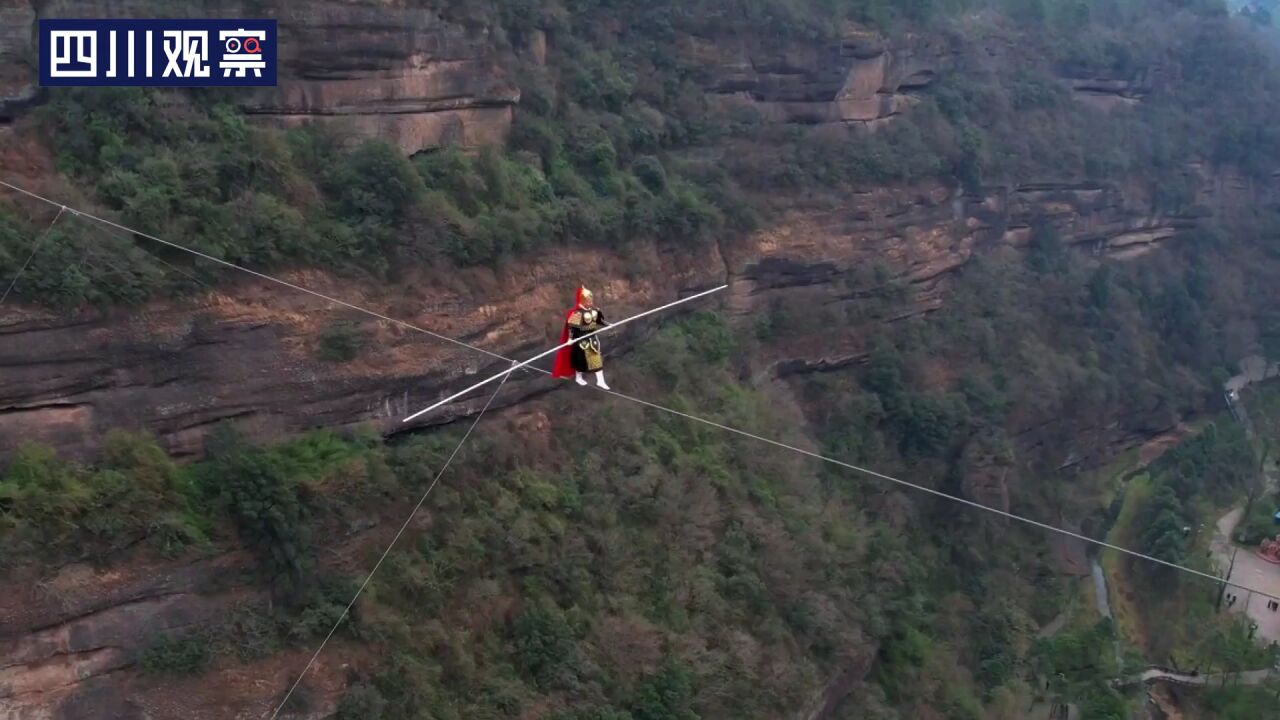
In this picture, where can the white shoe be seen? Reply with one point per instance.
(577, 377)
(600, 383)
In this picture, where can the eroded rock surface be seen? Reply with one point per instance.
(862, 78)
(247, 353)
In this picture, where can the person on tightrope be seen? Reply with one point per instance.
(584, 357)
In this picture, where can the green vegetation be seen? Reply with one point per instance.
(1215, 463)
(1237, 702)
(1213, 466)
(341, 342)
(1170, 512)
(640, 578)
(53, 509)
(617, 141)
(603, 548)
(630, 565)
(48, 507)
(1259, 523)
(1080, 664)
(250, 632)
(178, 655)
(643, 577)
(1229, 646)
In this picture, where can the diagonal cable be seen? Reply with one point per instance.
(936, 493)
(387, 552)
(34, 247)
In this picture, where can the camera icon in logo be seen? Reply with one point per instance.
(250, 45)
(242, 52)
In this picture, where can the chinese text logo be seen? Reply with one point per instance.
(175, 53)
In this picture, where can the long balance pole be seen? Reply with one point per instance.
(543, 354)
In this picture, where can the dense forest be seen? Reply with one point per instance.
(664, 571)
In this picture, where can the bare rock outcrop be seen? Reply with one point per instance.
(404, 75)
(1109, 93)
(63, 633)
(916, 237)
(988, 463)
(1108, 90)
(862, 78)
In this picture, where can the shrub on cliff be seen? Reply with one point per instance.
(341, 342)
(361, 702)
(171, 654)
(1217, 462)
(270, 496)
(266, 504)
(53, 506)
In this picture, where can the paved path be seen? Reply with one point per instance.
(1155, 674)
(1055, 625)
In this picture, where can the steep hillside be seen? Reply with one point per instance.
(985, 246)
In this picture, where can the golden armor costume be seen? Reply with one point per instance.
(583, 356)
(586, 355)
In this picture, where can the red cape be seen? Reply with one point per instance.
(564, 357)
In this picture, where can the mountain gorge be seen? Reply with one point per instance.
(989, 247)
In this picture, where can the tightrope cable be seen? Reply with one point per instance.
(407, 521)
(544, 353)
(694, 418)
(936, 493)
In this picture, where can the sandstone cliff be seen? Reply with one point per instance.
(863, 78)
(410, 76)
(246, 352)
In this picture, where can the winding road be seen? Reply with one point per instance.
(1156, 674)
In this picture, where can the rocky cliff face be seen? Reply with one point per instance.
(862, 79)
(401, 74)
(409, 76)
(72, 639)
(404, 75)
(247, 353)
(920, 235)
(66, 637)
